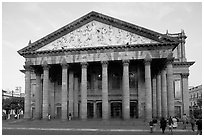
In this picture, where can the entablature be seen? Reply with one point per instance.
(109, 55)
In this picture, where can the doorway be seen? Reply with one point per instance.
(134, 109)
(89, 110)
(99, 110)
(59, 112)
(116, 110)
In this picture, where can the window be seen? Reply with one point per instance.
(132, 80)
(177, 89)
(89, 82)
(99, 80)
(115, 81)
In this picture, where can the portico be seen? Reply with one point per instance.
(101, 69)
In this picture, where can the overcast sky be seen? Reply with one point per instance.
(22, 22)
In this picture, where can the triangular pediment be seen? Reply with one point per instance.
(95, 30)
(95, 34)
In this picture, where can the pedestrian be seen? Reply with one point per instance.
(163, 124)
(199, 126)
(170, 124)
(175, 122)
(151, 126)
(16, 117)
(70, 116)
(48, 116)
(192, 121)
(185, 121)
(154, 124)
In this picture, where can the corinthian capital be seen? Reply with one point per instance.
(84, 64)
(104, 63)
(126, 62)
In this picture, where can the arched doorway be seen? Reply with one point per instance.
(116, 110)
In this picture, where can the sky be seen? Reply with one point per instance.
(22, 22)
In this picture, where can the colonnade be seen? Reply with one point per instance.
(164, 92)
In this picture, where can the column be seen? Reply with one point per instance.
(158, 84)
(64, 91)
(83, 109)
(148, 90)
(76, 91)
(37, 95)
(185, 92)
(45, 90)
(105, 90)
(71, 95)
(163, 94)
(94, 109)
(126, 90)
(170, 90)
(154, 95)
(27, 104)
(41, 96)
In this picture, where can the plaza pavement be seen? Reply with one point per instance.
(133, 126)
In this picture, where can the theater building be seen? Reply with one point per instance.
(100, 67)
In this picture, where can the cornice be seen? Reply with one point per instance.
(183, 64)
(149, 46)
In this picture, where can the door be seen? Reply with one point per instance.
(59, 112)
(99, 110)
(116, 110)
(89, 110)
(133, 109)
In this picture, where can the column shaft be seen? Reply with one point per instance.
(158, 95)
(148, 92)
(105, 91)
(126, 90)
(94, 109)
(27, 104)
(163, 94)
(170, 91)
(45, 91)
(76, 100)
(37, 96)
(185, 92)
(154, 95)
(83, 105)
(71, 95)
(64, 91)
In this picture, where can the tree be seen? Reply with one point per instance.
(16, 103)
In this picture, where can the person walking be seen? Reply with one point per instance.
(70, 116)
(199, 126)
(170, 124)
(151, 126)
(185, 121)
(163, 124)
(175, 123)
(192, 121)
(154, 124)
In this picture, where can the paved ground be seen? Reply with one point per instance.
(89, 127)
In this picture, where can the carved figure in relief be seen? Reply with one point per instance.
(96, 34)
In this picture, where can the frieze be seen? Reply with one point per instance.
(94, 57)
(95, 34)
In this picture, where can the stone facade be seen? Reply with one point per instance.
(102, 67)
